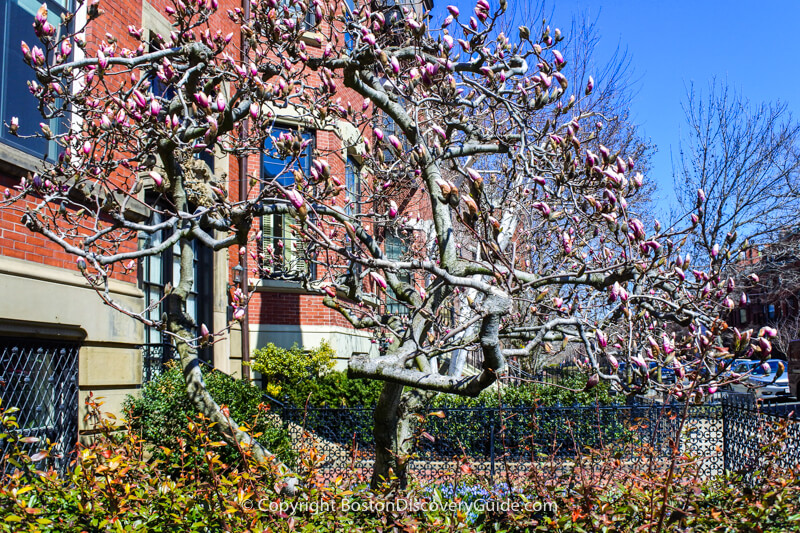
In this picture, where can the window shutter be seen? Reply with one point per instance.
(266, 237)
(293, 249)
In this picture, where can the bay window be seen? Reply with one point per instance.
(282, 247)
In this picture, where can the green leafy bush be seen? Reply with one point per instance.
(569, 391)
(301, 377)
(163, 412)
(115, 486)
(333, 389)
(280, 366)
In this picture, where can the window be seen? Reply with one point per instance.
(159, 87)
(770, 312)
(157, 270)
(743, 316)
(310, 20)
(391, 10)
(293, 8)
(280, 242)
(353, 186)
(40, 378)
(390, 128)
(395, 249)
(348, 10)
(16, 25)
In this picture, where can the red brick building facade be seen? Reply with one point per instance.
(46, 302)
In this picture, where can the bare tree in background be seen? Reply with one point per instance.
(744, 156)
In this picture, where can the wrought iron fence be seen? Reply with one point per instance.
(40, 378)
(509, 441)
(757, 434)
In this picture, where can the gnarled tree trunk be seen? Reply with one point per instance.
(396, 418)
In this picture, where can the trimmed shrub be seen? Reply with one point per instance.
(115, 486)
(280, 366)
(334, 389)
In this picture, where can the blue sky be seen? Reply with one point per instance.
(753, 46)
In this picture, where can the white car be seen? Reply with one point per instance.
(765, 384)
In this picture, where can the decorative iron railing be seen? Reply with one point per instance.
(759, 434)
(510, 441)
(40, 378)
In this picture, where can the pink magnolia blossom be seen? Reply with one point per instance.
(378, 279)
(602, 340)
(679, 370)
(395, 64)
(37, 56)
(296, 198)
(767, 331)
(220, 103)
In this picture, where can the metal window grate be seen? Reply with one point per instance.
(154, 357)
(41, 379)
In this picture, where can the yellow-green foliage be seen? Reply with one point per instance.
(114, 485)
(278, 365)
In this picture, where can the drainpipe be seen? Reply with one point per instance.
(243, 196)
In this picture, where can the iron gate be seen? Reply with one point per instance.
(40, 378)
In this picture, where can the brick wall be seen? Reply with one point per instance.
(266, 308)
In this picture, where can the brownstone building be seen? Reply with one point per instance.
(58, 342)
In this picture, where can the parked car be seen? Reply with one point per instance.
(738, 367)
(765, 383)
(667, 373)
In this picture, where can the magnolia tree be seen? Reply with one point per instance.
(516, 226)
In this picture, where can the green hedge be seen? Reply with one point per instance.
(570, 391)
(163, 412)
(333, 389)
